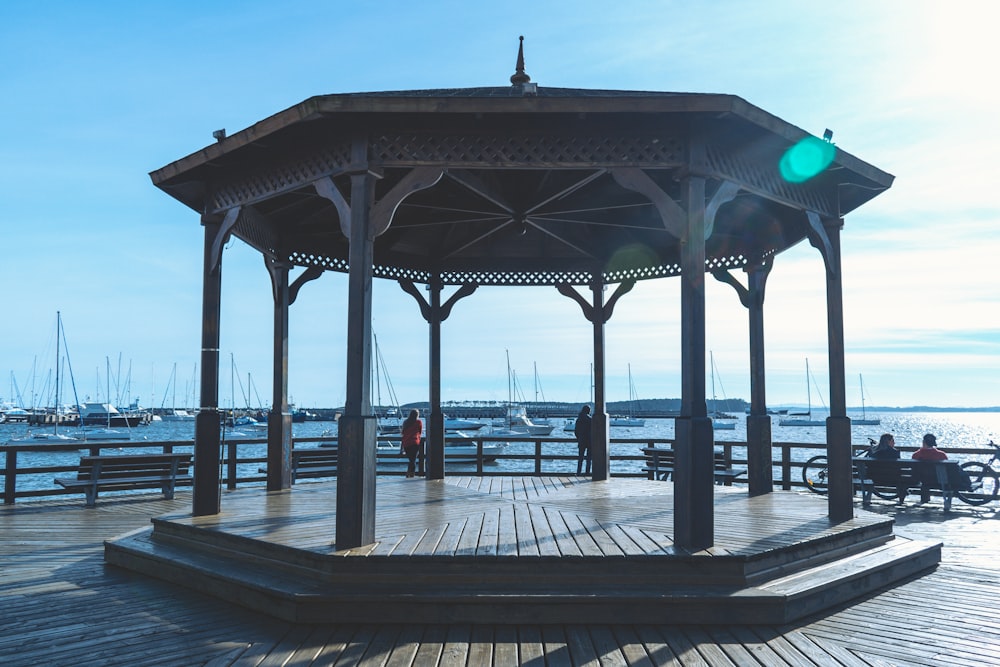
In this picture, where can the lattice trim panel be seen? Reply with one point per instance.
(282, 177)
(767, 180)
(528, 151)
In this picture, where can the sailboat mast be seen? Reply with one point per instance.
(55, 428)
(510, 397)
(861, 383)
(711, 362)
(809, 404)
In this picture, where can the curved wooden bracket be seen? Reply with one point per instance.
(623, 288)
(410, 288)
(753, 294)
(567, 290)
(426, 311)
(596, 316)
(418, 179)
(228, 222)
(673, 216)
(465, 290)
(325, 188)
(312, 273)
(819, 239)
(742, 292)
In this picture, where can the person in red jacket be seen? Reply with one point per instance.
(412, 429)
(928, 452)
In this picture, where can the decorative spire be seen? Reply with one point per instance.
(519, 77)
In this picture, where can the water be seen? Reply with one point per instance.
(953, 429)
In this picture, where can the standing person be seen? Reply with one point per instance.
(928, 452)
(582, 432)
(411, 431)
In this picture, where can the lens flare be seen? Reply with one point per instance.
(631, 256)
(806, 159)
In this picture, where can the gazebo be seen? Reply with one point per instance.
(521, 184)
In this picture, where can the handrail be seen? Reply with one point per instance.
(240, 467)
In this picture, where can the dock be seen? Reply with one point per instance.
(63, 604)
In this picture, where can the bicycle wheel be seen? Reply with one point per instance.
(885, 492)
(814, 474)
(984, 484)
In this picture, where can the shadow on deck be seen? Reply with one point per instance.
(525, 550)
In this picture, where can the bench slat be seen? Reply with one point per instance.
(659, 465)
(130, 471)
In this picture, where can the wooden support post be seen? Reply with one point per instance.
(838, 425)
(435, 420)
(208, 433)
(759, 449)
(279, 421)
(694, 512)
(357, 432)
(600, 424)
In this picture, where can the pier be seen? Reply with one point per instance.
(62, 605)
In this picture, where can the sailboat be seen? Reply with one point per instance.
(803, 419)
(391, 421)
(174, 413)
(516, 421)
(864, 420)
(93, 431)
(629, 420)
(45, 437)
(720, 420)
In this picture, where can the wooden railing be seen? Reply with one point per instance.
(28, 470)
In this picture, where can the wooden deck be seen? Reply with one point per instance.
(62, 605)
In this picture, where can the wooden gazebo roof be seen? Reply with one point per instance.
(517, 185)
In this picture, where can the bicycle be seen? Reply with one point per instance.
(815, 473)
(983, 478)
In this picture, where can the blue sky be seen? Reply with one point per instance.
(97, 95)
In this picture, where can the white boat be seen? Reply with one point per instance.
(452, 424)
(14, 415)
(176, 415)
(458, 448)
(103, 434)
(517, 422)
(461, 448)
(629, 420)
(803, 418)
(864, 420)
(721, 421)
(96, 414)
(44, 438)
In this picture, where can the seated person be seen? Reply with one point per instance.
(928, 452)
(886, 450)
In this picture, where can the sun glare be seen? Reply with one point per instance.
(806, 159)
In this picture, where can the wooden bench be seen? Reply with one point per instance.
(129, 471)
(659, 465)
(312, 462)
(905, 475)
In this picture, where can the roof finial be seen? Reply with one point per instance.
(519, 77)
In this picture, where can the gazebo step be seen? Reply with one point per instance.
(500, 596)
